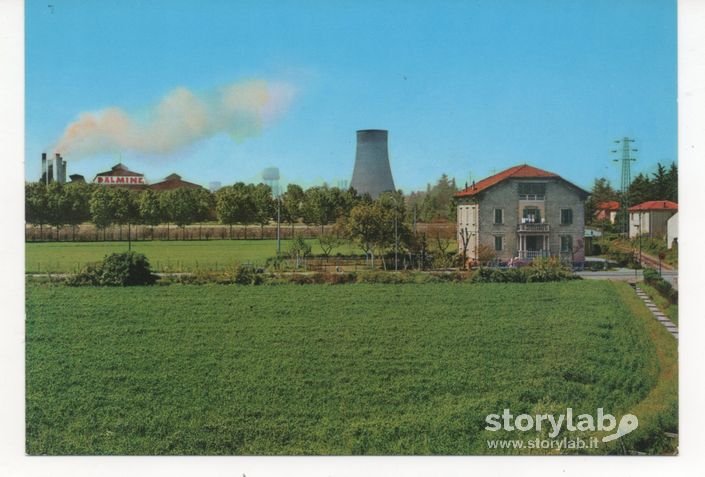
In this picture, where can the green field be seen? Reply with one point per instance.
(347, 369)
(165, 256)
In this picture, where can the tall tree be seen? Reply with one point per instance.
(234, 205)
(369, 226)
(124, 209)
(77, 197)
(101, 207)
(36, 208)
(183, 207)
(640, 190)
(437, 202)
(319, 207)
(672, 183)
(58, 206)
(264, 205)
(601, 191)
(150, 210)
(660, 183)
(292, 204)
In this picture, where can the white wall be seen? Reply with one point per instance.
(672, 228)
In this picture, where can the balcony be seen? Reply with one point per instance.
(536, 228)
(532, 254)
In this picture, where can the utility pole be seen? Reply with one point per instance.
(279, 206)
(626, 177)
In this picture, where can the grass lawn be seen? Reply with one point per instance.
(174, 256)
(346, 369)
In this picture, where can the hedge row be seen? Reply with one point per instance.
(665, 289)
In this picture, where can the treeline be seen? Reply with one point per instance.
(72, 204)
(659, 185)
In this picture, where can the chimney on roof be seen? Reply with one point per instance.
(473, 184)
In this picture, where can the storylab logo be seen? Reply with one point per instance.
(601, 421)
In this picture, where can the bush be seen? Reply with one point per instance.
(89, 276)
(651, 276)
(117, 269)
(540, 270)
(548, 270)
(665, 289)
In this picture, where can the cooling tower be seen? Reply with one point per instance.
(372, 174)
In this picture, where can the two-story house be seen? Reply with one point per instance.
(522, 213)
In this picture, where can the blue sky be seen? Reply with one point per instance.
(465, 88)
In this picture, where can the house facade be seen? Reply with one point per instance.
(607, 211)
(650, 219)
(522, 213)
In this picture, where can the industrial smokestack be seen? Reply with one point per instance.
(372, 173)
(45, 172)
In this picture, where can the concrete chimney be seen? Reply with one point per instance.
(45, 174)
(372, 173)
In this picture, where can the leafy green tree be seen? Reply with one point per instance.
(437, 202)
(206, 205)
(183, 207)
(149, 208)
(77, 197)
(292, 204)
(101, 208)
(369, 226)
(264, 205)
(36, 208)
(234, 205)
(319, 207)
(328, 242)
(124, 209)
(299, 249)
(58, 206)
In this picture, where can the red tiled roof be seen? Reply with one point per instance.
(523, 171)
(174, 181)
(654, 205)
(119, 170)
(609, 205)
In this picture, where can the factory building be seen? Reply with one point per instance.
(53, 169)
(119, 175)
(174, 181)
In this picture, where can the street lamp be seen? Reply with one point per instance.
(279, 206)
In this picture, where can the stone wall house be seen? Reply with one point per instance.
(522, 213)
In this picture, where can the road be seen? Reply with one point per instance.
(629, 275)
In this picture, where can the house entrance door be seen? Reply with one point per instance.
(534, 243)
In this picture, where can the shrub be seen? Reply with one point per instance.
(651, 276)
(340, 278)
(548, 270)
(88, 276)
(540, 270)
(117, 269)
(665, 289)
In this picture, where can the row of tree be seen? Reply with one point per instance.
(72, 204)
